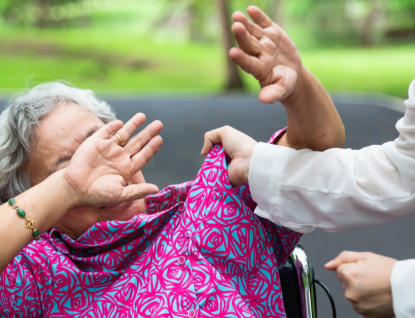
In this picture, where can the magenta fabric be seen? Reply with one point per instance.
(199, 252)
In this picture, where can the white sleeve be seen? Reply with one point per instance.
(337, 189)
(403, 289)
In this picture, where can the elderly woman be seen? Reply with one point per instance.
(103, 245)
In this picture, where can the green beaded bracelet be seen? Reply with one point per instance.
(22, 214)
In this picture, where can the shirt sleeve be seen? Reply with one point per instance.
(19, 295)
(403, 289)
(337, 189)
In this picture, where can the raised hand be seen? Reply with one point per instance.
(266, 52)
(100, 170)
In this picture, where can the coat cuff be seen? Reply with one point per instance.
(403, 289)
(264, 176)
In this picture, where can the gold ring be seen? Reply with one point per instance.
(122, 143)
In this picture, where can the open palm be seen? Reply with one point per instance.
(266, 52)
(100, 169)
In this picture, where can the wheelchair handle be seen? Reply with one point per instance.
(306, 284)
(305, 277)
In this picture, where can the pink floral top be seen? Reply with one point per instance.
(199, 252)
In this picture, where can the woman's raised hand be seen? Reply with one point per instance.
(266, 52)
(101, 170)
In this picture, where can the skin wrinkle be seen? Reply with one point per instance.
(66, 158)
(57, 137)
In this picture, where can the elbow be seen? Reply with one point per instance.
(332, 139)
(339, 138)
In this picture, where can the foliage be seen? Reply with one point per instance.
(195, 15)
(125, 49)
(200, 17)
(42, 13)
(354, 22)
(112, 63)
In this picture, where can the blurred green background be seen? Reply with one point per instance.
(178, 47)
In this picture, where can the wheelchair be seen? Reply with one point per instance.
(298, 286)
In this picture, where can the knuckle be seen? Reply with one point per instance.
(340, 275)
(344, 255)
(357, 308)
(343, 273)
(340, 270)
(351, 296)
(257, 71)
(147, 133)
(139, 144)
(267, 43)
(225, 130)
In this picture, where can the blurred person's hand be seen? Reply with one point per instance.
(366, 282)
(266, 52)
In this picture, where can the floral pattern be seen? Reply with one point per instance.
(199, 252)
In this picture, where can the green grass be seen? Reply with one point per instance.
(121, 53)
(387, 70)
(136, 64)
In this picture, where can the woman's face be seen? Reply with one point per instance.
(55, 141)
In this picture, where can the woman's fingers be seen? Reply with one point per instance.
(344, 258)
(136, 143)
(279, 86)
(248, 63)
(105, 131)
(207, 145)
(128, 129)
(271, 94)
(138, 191)
(141, 158)
(259, 17)
(246, 41)
(253, 29)
(211, 138)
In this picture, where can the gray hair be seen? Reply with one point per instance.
(20, 119)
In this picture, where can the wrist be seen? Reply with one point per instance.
(294, 100)
(307, 107)
(64, 190)
(47, 202)
(246, 163)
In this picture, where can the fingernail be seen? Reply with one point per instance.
(330, 263)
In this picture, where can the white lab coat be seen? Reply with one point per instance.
(340, 189)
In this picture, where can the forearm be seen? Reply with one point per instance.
(45, 204)
(313, 121)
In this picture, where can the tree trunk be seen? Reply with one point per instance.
(44, 19)
(233, 78)
(194, 31)
(366, 32)
(367, 37)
